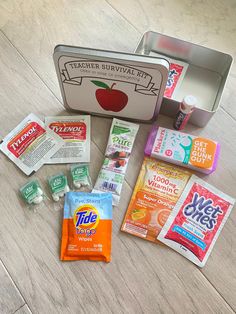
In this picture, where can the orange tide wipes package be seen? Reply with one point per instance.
(156, 192)
(87, 227)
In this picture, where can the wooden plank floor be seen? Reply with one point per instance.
(142, 277)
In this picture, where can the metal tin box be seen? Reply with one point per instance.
(205, 77)
(111, 83)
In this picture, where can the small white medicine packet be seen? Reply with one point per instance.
(31, 144)
(75, 132)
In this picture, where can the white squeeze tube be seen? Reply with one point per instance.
(119, 147)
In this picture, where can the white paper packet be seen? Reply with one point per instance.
(119, 147)
(31, 144)
(75, 131)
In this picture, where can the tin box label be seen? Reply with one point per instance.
(110, 88)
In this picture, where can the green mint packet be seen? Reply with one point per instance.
(32, 192)
(80, 175)
(57, 183)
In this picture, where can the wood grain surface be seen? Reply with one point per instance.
(23, 310)
(10, 297)
(142, 277)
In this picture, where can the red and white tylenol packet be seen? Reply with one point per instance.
(30, 144)
(196, 220)
(75, 131)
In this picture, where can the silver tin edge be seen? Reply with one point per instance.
(207, 113)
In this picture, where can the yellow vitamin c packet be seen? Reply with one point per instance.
(156, 192)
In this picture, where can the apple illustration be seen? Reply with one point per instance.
(110, 99)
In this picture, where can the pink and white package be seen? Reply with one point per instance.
(175, 77)
(196, 221)
(176, 74)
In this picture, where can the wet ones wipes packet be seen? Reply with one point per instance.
(119, 147)
(30, 144)
(197, 220)
(75, 131)
(87, 227)
(156, 192)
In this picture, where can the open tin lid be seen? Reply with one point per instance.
(111, 83)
